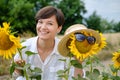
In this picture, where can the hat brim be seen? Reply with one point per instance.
(62, 47)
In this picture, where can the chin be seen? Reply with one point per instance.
(43, 37)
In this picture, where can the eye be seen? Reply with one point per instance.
(50, 23)
(40, 22)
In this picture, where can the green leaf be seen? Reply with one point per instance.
(12, 68)
(78, 78)
(29, 53)
(36, 73)
(73, 78)
(70, 55)
(115, 77)
(36, 76)
(64, 60)
(76, 64)
(20, 68)
(60, 72)
(23, 40)
(26, 66)
(96, 73)
(113, 69)
(22, 48)
(38, 70)
(15, 32)
(105, 75)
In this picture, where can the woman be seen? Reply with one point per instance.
(49, 22)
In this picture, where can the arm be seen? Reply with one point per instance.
(78, 71)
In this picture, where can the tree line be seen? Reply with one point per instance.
(20, 14)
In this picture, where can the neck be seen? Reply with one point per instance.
(45, 44)
(45, 48)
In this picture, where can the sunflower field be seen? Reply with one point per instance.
(93, 66)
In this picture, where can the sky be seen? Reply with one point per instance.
(107, 9)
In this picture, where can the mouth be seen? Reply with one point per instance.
(43, 32)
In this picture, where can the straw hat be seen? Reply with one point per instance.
(76, 28)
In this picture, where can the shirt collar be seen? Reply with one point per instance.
(34, 46)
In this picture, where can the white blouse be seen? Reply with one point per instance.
(50, 66)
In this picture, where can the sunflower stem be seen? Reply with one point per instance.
(67, 71)
(69, 65)
(117, 73)
(25, 72)
(91, 65)
(20, 54)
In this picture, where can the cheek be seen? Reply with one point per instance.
(37, 27)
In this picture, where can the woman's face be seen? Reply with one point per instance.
(47, 28)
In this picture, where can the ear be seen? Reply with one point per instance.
(59, 29)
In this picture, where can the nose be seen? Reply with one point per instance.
(43, 26)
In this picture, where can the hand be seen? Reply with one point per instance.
(78, 70)
(20, 63)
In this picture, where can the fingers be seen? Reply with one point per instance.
(21, 63)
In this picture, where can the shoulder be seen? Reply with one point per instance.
(56, 47)
(29, 45)
(29, 41)
(57, 40)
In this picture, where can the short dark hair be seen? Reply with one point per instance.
(49, 11)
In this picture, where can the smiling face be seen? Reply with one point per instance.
(47, 28)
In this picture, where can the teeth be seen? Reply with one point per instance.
(43, 32)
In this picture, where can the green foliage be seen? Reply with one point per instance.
(29, 53)
(117, 27)
(93, 22)
(93, 75)
(76, 64)
(106, 26)
(27, 70)
(20, 13)
(78, 78)
(4, 8)
(64, 74)
(12, 68)
(73, 11)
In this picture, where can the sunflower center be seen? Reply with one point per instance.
(5, 42)
(83, 47)
(118, 59)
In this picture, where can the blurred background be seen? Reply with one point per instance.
(101, 15)
(107, 9)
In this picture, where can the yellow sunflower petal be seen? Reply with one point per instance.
(116, 59)
(8, 42)
(6, 25)
(89, 50)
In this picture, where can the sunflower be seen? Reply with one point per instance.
(102, 43)
(116, 59)
(83, 49)
(8, 42)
